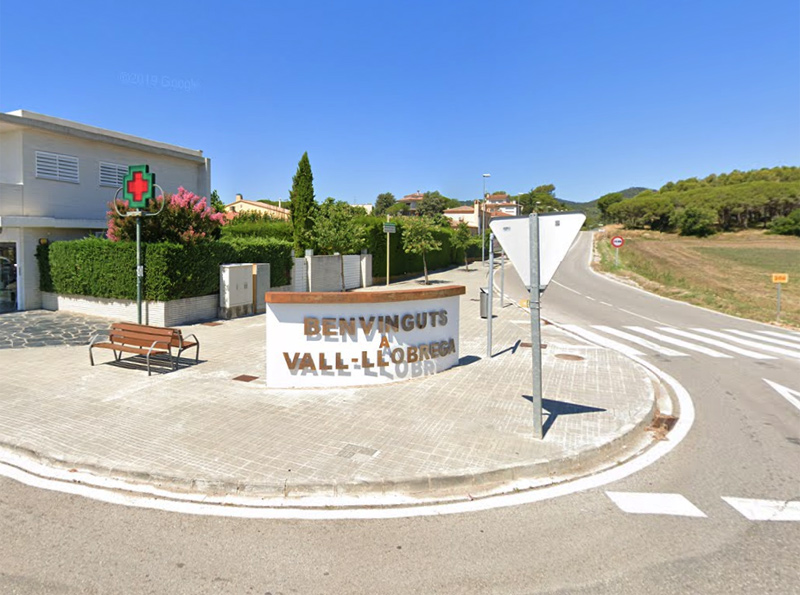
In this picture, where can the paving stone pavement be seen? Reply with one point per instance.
(39, 328)
(461, 432)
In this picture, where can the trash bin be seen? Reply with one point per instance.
(484, 303)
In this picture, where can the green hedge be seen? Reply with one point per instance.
(101, 268)
(401, 263)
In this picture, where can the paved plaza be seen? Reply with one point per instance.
(457, 434)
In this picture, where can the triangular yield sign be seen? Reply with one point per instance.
(557, 231)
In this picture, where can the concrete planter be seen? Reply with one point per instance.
(172, 313)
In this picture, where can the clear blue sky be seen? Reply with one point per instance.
(590, 96)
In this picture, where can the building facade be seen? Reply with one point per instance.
(240, 205)
(57, 178)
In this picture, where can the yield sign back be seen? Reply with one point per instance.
(557, 231)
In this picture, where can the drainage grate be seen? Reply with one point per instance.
(212, 324)
(570, 357)
(245, 378)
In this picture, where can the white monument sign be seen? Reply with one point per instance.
(352, 339)
(557, 231)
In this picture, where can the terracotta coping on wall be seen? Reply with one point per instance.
(362, 297)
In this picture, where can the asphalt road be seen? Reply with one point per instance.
(745, 443)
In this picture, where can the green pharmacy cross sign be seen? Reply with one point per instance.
(138, 186)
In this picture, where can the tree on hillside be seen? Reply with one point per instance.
(302, 205)
(541, 198)
(461, 239)
(432, 203)
(383, 202)
(418, 239)
(335, 229)
(605, 201)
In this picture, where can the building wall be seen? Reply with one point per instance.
(88, 199)
(11, 157)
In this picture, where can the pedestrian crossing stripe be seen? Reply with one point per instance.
(655, 503)
(676, 342)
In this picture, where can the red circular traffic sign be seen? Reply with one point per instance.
(617, 241)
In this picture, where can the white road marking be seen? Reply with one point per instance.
(607, 304)
(600, 340)
(590, 298)
(639, 341)
(762, 338)
(761, 346)
(795, 338)
(766, 510)
(720, 344)
(678, 342)
(640, 316)
(565, 287)
(645, 503)
(790, 395)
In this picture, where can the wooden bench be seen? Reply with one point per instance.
(142, 339)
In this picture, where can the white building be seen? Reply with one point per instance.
(57, 179)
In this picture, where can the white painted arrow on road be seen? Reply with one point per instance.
(789, 394)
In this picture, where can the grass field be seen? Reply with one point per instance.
(730, 272)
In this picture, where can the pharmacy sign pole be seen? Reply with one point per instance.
(137, 188)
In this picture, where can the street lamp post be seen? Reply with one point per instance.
(482, 222)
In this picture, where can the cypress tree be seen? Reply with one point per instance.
(302, 205)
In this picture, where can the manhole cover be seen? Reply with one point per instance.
(528, 344)
(212, 323)
(570, 357)
(245, 378)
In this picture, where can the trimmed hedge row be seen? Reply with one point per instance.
(401, 263)
(100, 268)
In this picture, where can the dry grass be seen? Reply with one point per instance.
(730, 272)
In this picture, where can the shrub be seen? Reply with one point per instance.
(787, 226)
(696, 220)
(186, 219)
(101, 268)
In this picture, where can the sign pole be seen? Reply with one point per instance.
(490, 296)
(616, 257)
(139, 268)
(502, 279)
(536, 331)
(388, 235)
(778, 316)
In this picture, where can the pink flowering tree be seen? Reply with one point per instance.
(186, 219)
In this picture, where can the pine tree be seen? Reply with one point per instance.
(302, 205)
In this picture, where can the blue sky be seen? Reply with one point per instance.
(396, 97)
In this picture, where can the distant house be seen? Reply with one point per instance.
(57, 178)
(501, 203)
(465, 214)
(248, 206)
(412, 200)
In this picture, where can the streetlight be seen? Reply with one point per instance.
(482, 222)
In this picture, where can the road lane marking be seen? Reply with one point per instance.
(590, 298)
(607, 304)
(678, 342)
(716, 343)
(600, 340)
(565, 287)
(638, 340)
(787, 393)
(652, 503)
(640, 316)
(761, 346)
(764, 339)
(766, 510)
